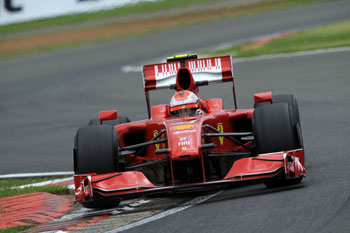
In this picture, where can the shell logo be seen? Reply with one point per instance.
(185, 126)
(182, 95)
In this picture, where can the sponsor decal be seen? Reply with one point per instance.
(10, 7)
(14, 11)
(184, 138)
(184, 143)
(298, 164)
(295, 166)
(184, 126)
(184, 148)
(221, 129)
(155, 133)
(207, 65)
(184, 122)
(164, 70)
(185, 131)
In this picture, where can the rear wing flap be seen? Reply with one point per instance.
(204, 70)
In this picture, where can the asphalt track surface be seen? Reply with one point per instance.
(322, 202)
(45, 98)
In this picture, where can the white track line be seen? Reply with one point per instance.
(129, 69)
(134, 68)
(296, 54)
(31, 175)
(45, 183)
(189, 204)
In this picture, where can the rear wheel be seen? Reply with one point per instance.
(120, 120)
(274, 130)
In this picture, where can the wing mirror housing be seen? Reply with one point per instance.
(108, 115)
(263, 97)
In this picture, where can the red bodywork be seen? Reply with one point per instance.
(188, 155)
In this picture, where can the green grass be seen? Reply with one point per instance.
(329, 36)
(7, 187)
(72, 44)
(142, 7)
(266, 5)
(15, 229)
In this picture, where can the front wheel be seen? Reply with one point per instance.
(120, 120)
(278, 182)
(101, 204)
(96, 150)
(274, 130)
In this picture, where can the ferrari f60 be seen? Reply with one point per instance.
(191, 143)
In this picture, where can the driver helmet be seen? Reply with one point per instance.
(184, 103)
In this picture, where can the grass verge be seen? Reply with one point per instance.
(15, 229)
(8, 187)
(72, 38)
(141, 7)
(329, 36)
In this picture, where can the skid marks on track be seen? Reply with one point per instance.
(81, 217)
(139, 212)
(97, 220)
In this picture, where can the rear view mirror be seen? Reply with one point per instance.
(263, 97)
(108, 115)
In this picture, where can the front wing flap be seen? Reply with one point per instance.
(132, 184)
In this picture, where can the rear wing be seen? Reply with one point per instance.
(204, 70)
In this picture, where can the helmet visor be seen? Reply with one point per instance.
(184, 110)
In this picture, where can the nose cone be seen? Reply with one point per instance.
(184, 139)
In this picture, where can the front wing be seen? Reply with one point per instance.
(131, 184)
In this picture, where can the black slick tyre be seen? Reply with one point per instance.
(281, 181)
(288, 99)
(98, 203)
(96, 150)
(120, 120)
(273, 128)
(291, 100)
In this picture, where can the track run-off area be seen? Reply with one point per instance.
(45, 98)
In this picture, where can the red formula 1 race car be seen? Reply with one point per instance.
(190, 143)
